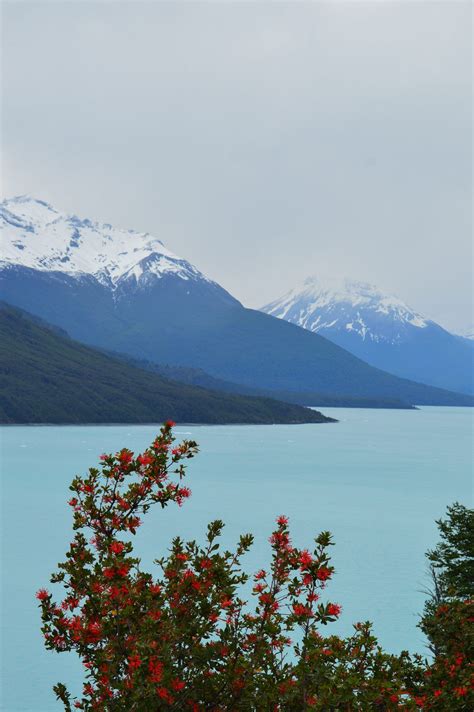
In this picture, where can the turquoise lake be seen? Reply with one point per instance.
(377, 480)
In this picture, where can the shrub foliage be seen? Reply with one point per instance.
(185, 638)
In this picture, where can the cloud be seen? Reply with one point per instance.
(259, 140)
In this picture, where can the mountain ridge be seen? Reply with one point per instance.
(379, 328)
(77, 246)
(316, 294)
(174, 316)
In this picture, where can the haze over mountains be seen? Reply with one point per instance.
(124, 291)
(381, 329)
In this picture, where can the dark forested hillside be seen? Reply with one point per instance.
(46, 377)
(198, 377)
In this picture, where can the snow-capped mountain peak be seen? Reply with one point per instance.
(36, 235)
(348, 305)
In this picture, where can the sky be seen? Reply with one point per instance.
(263, 141)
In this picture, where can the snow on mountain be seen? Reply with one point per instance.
(468, 333)
(37, 236)
(380, 329)
(358, 308)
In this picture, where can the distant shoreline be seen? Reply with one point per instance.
(159, 424)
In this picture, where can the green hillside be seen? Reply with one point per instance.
(198, 377)
(46, 377)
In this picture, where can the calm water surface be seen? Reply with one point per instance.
(377, 480)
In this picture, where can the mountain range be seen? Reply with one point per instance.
(380, 329)
(123, 291)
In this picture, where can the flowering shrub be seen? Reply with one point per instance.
(449, 680)
(449, 614)
(185, 639)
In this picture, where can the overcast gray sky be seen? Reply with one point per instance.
(262, 141)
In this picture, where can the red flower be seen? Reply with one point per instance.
(170, 424)
(133, 524)
(280, 540)
(42, 594)
(334, 609)
(125, 456)
(73, 502)
(305, 559)
(323, 574)
(94, 630)
(145, 459)
(420, 701)
(178, 684)
(460, 691)
(282, 521)
(300, 610)
(165, 694)
(116, 547)
(156, 670)
(134, 662)
(267, 598)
